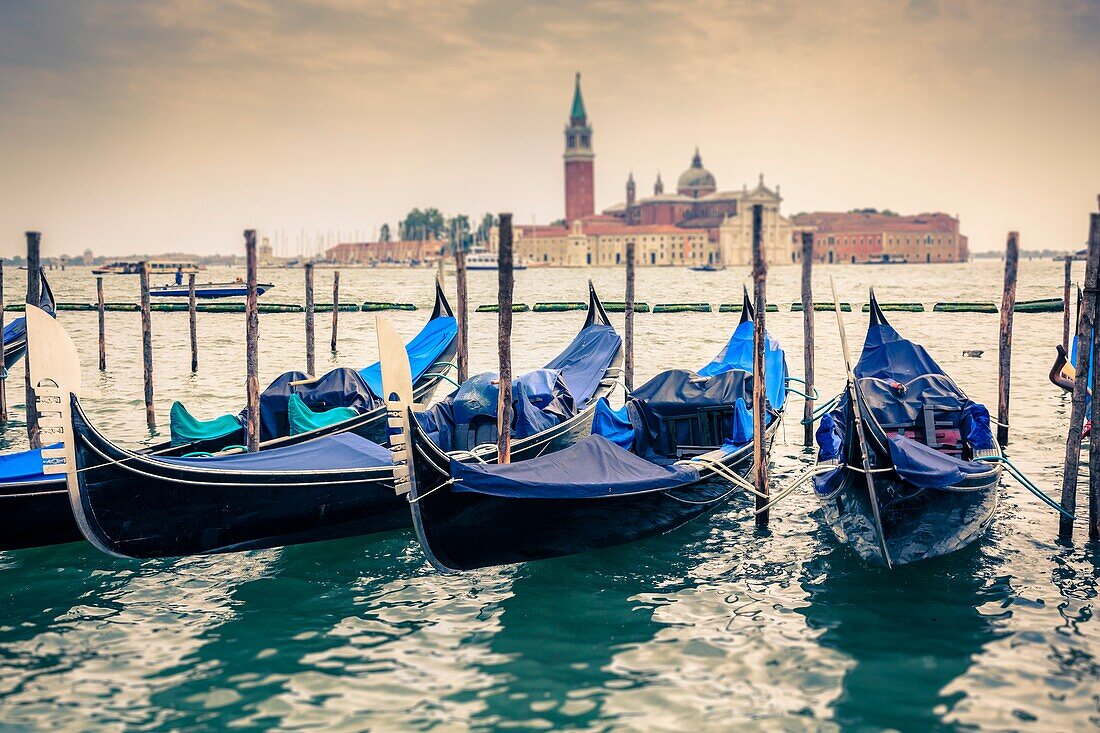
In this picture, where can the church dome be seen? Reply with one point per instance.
(696, 181)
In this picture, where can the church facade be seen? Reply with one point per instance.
(694, 226)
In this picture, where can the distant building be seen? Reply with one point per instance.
(857, 237)
(366, 253)
(696, 225)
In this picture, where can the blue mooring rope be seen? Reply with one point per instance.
(1027, 483)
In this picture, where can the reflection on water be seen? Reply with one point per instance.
(712, 627)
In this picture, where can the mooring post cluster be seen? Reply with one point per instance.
(505, 287)
(628, 313)
(34, 284)
(759, 342)
(1004, 351)
(147, 346)
(1086, 334)
(311, 364)
(251, 341)
(3, 368)
(461, 313)
(808, 336)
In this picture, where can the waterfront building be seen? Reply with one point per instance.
(867, 237)
(368, 253)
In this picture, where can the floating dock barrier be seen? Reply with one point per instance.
(494, 308)
(1044, 305)
(905, 307)
(327, 308)
(75, 306)
(682, 308)
(378, 305)
(846, 307)
(128, 307)
(965, 307)
(736, 308)
(558, 307)
(619, 306)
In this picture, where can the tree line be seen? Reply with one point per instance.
(430, 223)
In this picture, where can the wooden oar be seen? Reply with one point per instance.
(853, 396)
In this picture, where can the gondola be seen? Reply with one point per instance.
(15, 332)
(208, 290)
(667, 457)
(139, 505)
(38, 503)
(913, 471)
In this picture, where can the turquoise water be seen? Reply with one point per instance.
(716, 626)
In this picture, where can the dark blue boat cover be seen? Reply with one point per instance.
(737, 354)
(540, 400)
(423, 351)
(338, 388)
(612, 424)
(344, 450)
(666, 410)
(590, 469)
(927, 467)
(584, 361)
(16, 329)
(886, 355)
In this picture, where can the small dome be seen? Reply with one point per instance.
(696, 181)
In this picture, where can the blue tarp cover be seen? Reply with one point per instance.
(614, 425)
(345, 450)
(423, 351)
(584, 361)
(886, 355)
(338, 388)
(742, 425)
(927, 467)
(24, 467)
(737, 354)
(595, 467)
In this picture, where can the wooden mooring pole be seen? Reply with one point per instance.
(1086, 321)
(3, 369)
(251, 346)
(192, 323)
(759, 396)
(808, 335)
(628, 313)
(147, 347)
(461, 312)
(1094, 445)
(102, 323)
(1004, 352)
(504, 339)
(311, 363)
(34, 284)
(1065, 302)
(335, 308)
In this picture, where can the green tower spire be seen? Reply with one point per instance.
(578, 115)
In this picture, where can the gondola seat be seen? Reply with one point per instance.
(186, 428)
(303, 420)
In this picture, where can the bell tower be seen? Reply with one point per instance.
(579, 161)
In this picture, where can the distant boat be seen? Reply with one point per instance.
(481, 259)
(707, 268)
(156, 268)
(208, 290)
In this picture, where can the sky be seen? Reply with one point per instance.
(129, 126)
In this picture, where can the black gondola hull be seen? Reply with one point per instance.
(36, 514)
(917, 524)
(465, 531)
(127, 504)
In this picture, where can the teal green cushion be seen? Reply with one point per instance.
(186, 428)
(302, 419)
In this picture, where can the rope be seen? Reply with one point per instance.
(432, 491)
(725, 473)
(1027, 483)
(701, 503)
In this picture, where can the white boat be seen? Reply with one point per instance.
(155, 268)
(480, 258)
